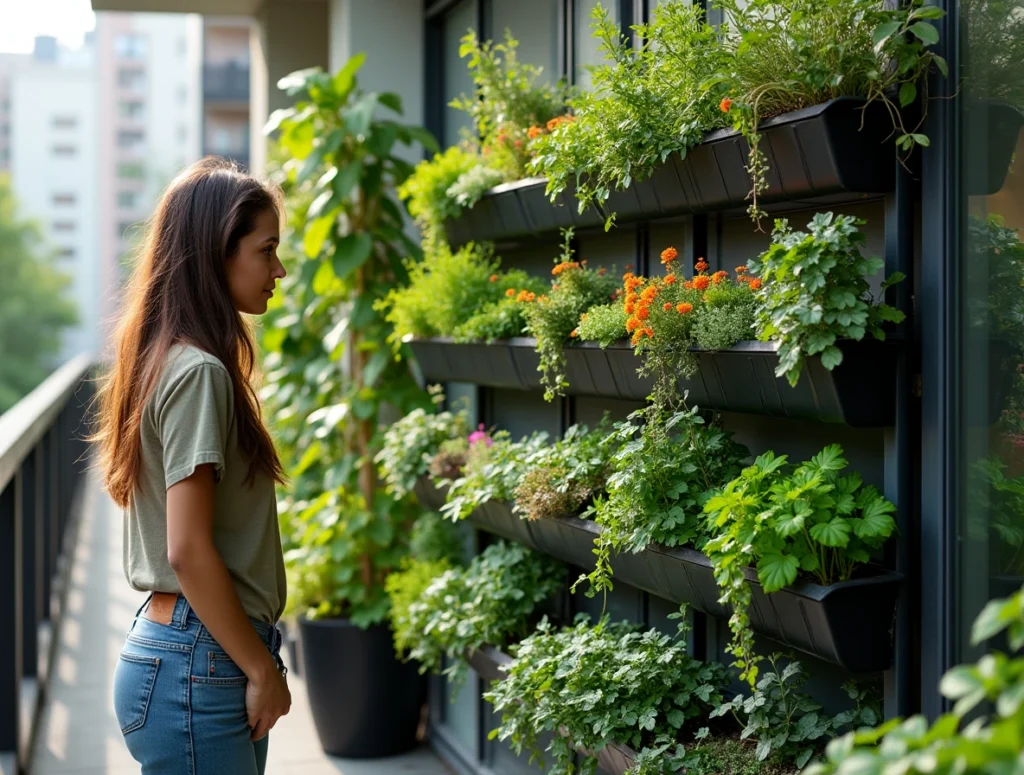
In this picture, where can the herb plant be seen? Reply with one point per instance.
(604, 324)
(434, 538)
(492, 472)
(457, 611)
(816, 291)
(646, 104)
(411, 443)
(786, 722)
(553, 319)
(428, 192)
(782, 55)
(989, 692)
(662, 476)
(596, 684)
(561, 479)
(809, 520)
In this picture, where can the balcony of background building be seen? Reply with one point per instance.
(226, 83)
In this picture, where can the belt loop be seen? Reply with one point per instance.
(180, 616)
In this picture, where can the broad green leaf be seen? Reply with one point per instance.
(350, 252)
(883, 32)
(345, 78)
(776, 571)
(392, 101)
(295, 82)
(831, 357)
(925, 32)
(835, 533)
(908, 93)
(316, 233)
(996, 616)
(347, 178)
(279, 115)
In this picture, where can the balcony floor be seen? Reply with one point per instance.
(78, 734)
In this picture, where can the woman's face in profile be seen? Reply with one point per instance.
(255, 269)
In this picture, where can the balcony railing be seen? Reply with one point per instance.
(226, 83)
(42, 461)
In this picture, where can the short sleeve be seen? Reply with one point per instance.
(193, 421)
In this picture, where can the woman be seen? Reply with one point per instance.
(199, 682)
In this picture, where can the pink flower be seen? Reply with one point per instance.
(480, 435)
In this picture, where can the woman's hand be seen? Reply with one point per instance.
(267, 698)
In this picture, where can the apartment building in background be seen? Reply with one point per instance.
(53, 131)
(225, 115)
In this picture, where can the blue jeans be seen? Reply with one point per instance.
(180, 700)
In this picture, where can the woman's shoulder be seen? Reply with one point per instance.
(183, 357)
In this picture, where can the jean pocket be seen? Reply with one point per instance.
(222, 666)
(134, 679)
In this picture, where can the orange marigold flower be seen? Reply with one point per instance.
(525, 295)
(602, 272)
(741, 269)
(630, 308)
(631, 325)
(649, 293)
(542, 298)
(534, 132)
(574, 333)
(583, 262)
(670, 279)
(518, 143)
(649, 332)
(668, 306)
(725, 105)
(718, 277)
(510, 292)
(494, 278)
(636, 338)
(755, 284)
(701, 265)
(643, 313)
(553, 123)
(701, 282)
(668, 255)
(683, 307)
(688, 285)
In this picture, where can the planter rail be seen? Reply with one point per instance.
(848, 623)
(860, 392)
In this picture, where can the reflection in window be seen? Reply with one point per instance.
(587, 47)
(992, 328)
(457, 81)
(534, 23)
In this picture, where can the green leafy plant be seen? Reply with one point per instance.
(998, 508)
(562, 479)
(785, 522)
(411, 443)
(329, 371)
(596, 684)
(454, 612)
(646, 104)
(604, 324)
(662, 476)
(508, 99)
(782, 55)
(990, 743)
(816, 291)
(492, 472)
(434, 538)
(553, 319)
(502, 319)
(428, 192)
(473, 184)
(786, 722)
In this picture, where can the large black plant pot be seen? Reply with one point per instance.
(365, 702)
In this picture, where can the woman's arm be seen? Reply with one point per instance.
(208, 587)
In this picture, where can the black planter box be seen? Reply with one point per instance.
(442, 360)
(999, 124)
(498, 518)
(860, 392)
(848, 623)
(487, 661)
(839, 150)
(429, 496)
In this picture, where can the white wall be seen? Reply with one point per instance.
(41, 92)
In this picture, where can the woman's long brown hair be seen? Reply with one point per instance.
(178, 293)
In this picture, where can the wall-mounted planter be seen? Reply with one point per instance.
(848, 623)
(498, 518)
(860, 392)
(487, 661)
(429, 496)
(839, 149)
(999, 124)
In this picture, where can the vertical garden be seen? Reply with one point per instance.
(621, 447)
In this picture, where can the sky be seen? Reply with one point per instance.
(22, 20)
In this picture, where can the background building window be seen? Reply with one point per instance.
(131, 109)
(130, 138)
(131, 78)
(534, 23)
(127, 200)
(64, 150)
(63, 226)
(587, 47)
(64, 199)
(131, 170)
(65, 122)
(130, 46)
(65, 253)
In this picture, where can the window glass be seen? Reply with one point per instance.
(457, 81)
(991, 524)
(587, 47)
(534, 23)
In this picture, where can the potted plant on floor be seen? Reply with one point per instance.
(332, 377)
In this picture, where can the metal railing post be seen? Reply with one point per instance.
(10, 615)
(31, 553)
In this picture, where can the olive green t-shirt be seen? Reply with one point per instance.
(188, 420)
